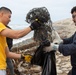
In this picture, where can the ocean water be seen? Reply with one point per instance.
(18, 27)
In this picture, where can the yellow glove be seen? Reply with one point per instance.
(26, 57)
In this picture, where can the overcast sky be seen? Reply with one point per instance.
(59, 9)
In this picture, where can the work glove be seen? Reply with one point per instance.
(35, 25)
(27, 58)
(52, 47)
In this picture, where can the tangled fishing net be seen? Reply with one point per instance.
(42, 14)
(44, 32)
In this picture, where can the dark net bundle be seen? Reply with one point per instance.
(44, 59)
(43, 16)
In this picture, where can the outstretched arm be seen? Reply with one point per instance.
(15, 34)
(65, 49)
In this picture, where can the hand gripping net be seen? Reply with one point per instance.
(42, 14)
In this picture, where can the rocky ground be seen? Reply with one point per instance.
(63, 64)
(65, 28)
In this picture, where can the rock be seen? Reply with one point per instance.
(65, 28)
